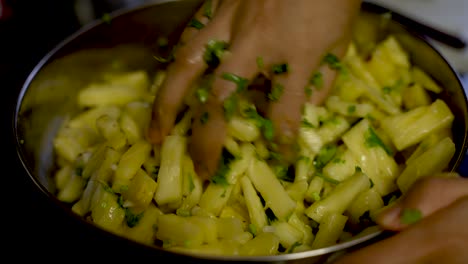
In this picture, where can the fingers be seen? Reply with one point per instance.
(322, 81)
(189, 65)
(286, 110)
(200, 19)
(428, 196)
(208, 136)
(440, 238)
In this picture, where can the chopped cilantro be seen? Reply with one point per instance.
(373, 140)
(106, 18)
(288, 174)
(131, 218)
(339, 161)
(183, 212)
(260, 63)
(195, 23)
(304, 158)
(107, 188)
(410, 216)
(316, 80)
(327, 179)
(223, 168)
(267, 128)
(316, 196)
(308, 91)
(306, 123)
(273, 155)
(325, 155)
(214, 52)
(79, 171)
(253, 229)
(357, 169)
(280, 171)
(293, 246)
(230, 106)
(276, 92)
(240, 82)
(164, 60)
(191, 183)
(204, 117)
(208, 9)
(332, 61)
(387, 89)
(280, 68)
(202, 94)
(265, 124)
(351, 109)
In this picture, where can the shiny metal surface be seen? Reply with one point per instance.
(130, 39)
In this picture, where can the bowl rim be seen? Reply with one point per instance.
(366, 6)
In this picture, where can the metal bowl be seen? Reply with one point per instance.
(130, 39)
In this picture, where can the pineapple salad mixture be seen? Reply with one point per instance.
(381, 129)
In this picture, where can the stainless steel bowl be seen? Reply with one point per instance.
(130, 40)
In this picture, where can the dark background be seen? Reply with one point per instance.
(36, 229)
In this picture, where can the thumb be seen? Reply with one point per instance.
(425, 197)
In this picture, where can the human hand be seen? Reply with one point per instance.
(441, 236)
(298, 35)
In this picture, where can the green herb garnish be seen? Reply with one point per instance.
(240, 82)
(276, 92)
(333, 62)
(106, 18)
(131, 218)
(260, 63)
(208, 9)
(230, 106)
(325, 155)
(253, 229)
(195, 23)
(223, 168)
(327, 179)
(265, 124)
(202, 94)
(204, 117)
(410, 216)
(307, 124)
(280, 68)
(214, 52)
(316, 80)
(308, 91)
(351, 109)
(373, 140)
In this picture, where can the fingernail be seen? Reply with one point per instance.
(390, 218)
